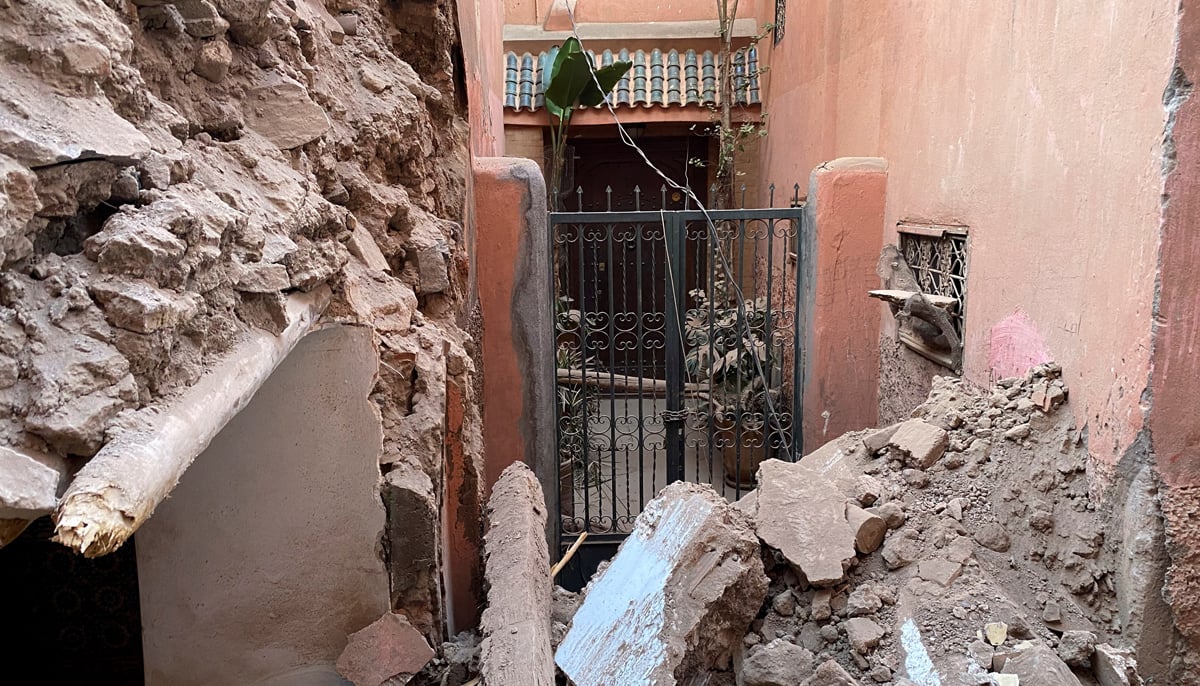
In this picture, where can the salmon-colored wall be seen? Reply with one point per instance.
(1036, 124)
(1175, 429)
(481, 28)
(616, 11)
(846, 207)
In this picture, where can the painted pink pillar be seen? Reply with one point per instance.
(846, 202)
(513, 274)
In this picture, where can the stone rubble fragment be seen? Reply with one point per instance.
(778, 663)
(676, 599)
(1114, 667)
(388, 650)
(803, 516)
(1036, 665)
(869, 529)
(919, 443)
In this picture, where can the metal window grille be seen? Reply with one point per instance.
(780, 15)
(937, 255)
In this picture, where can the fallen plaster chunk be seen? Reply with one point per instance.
(830, 673)
(676, 599)
(387, 650)
(803, 516)
(516, 624)
(917, 663)
(920, 442)
(28, 483)
(1115, 667)
(118, 489)
(1037, 665)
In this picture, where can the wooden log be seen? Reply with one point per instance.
(118, 489)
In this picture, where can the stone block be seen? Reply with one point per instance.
(879, 439)
(213, 60)
(919, 442)
(388, 650)
(28, 483)
(413, 530)
(362, 245)
(803, 515)
(1075, 647)
(676, 599)
(377, 298)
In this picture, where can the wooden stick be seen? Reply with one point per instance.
(558, 567)
(118, 489)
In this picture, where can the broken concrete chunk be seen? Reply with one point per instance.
(281, 111)
(1114, 667)
(941, 572)
(516, 624)
(822, 608)
(863, 634)
(139, 307)
(803, 516)
(867, 490)
(1075, 647)
(919, 442)
(863, 601)
(778, 663)
(1037, 665)
(869, 529)
(878, 440)
(28, 483)
(200, 18)
(77, 427)
(362, 245)
(389, 648)
(676, 599)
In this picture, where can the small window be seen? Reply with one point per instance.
(937, 254)
(780, 12)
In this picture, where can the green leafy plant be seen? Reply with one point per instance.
(569, 86)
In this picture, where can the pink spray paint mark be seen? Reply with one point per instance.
(1015, 345)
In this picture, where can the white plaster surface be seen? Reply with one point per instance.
(264, 557)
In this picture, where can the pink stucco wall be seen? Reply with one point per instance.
(1036, 124)
(481, 27)
(534, 11)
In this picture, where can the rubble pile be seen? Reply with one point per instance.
(959, 547)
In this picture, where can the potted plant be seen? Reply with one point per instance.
(727, 350)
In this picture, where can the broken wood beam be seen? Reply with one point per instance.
(118, 489)
(516, 649)
(899, 297)
(626, 383)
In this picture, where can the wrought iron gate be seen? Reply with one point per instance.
(678, 357)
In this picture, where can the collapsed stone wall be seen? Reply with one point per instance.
(171, 171)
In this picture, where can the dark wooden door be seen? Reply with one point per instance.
(618, 272)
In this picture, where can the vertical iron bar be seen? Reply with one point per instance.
(797, 352)
(674, 354)
(583, 346)
(742, 323)
(641, 366)
(771, 424)
(553, 365)
(609, 230)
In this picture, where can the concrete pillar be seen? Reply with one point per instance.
(518, 330)
(845, 221)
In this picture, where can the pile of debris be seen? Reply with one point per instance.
(959, 547)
